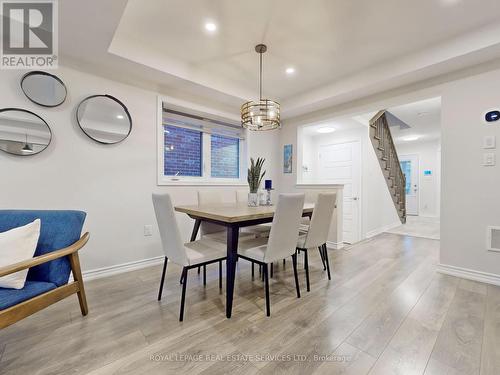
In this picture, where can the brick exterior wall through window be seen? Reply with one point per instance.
(225, 155)
(182, 151)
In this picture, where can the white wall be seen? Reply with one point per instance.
(429, 156)
(112, 183)
(377, 208)
(470, 191)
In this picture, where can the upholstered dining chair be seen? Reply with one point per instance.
(210, 230)
(241, 195)
(282, 240)
(317, 234)
(56, 256)
(189, 255)
(211, 197)
(261, 230)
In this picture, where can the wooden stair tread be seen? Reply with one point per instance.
(387, 156)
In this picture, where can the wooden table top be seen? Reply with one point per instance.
(233, 212)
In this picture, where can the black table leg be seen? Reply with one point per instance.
(196, 228)
(232, 256)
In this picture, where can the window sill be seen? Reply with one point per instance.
(302, 185)
(184, 182)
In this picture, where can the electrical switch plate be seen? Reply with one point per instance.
(489, 159)
(148, 230)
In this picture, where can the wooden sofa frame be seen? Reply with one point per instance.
(26, 308)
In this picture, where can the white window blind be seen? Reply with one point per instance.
(210, 126)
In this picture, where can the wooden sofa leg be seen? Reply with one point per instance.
(77, 276)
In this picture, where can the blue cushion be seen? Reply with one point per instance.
(11, 297)
(59, 229)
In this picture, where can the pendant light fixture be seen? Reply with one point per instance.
(263, 114)
(27, 148)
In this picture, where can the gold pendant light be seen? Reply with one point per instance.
(263, 114)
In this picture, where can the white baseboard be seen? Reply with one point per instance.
(465, 273)
(335, 245)
(383, 229)
(99, 273)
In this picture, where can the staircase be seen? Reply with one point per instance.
(382, 142)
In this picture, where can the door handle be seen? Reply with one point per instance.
(355, 198)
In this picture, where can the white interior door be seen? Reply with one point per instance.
(341, 164)
(409, 165)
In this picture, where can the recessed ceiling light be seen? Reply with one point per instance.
(325, 130)
(450, 2)
(120, 117)
(210, 26)
(290, 70)
(411, 138)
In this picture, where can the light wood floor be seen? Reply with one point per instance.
(419, 226)
(385, 311)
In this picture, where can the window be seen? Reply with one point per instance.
(182, 151)
(194, 149)
(225, 156)
(406, 167)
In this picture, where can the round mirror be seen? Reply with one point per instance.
(104, 118)
(22, 132)
(43, 89)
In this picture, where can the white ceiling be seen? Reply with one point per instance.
(424, 119)
(340, 49)
(339, 124)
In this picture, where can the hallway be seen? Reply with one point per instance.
(419, 226)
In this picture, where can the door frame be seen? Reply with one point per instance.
(354, 139)
(417, 157)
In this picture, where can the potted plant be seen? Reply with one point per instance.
(254, 179)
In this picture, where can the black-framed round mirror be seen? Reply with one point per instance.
(23, 132)
(104, 118)
(44, 89)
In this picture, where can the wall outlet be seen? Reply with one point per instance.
(148, 230)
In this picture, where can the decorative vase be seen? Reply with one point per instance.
(262, 198)
(253, 199)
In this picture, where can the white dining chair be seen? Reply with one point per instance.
(317, 234)
(241, 195)
(207, 229)
(282, 240)
(261, 230)
(189, 255)
(211, 197)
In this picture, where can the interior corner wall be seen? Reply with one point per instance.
(470, 199)
(429, 157)
(112, 183)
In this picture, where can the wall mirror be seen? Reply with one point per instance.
(23, 132)
(44, 89)
(104, 118)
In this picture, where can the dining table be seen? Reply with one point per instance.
(233, 216)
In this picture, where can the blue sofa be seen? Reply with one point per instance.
(55, 257)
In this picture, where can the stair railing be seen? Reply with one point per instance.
(388, 158)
